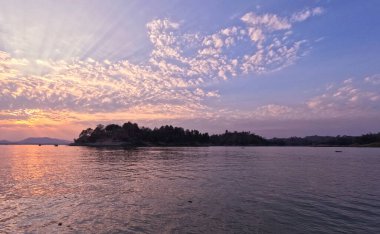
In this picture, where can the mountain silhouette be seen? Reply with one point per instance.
(36, 141)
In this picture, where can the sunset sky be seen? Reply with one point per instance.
(276, 68)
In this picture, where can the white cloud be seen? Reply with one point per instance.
(305, 14)
(256, 34)
(374, 79)
(91, 85)
(343, 101)
(193, 55)
(348, 99)
(180, 67)
(270, 22)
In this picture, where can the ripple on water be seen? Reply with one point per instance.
(193, 190)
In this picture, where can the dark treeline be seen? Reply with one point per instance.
(131, 134)
(367, 139)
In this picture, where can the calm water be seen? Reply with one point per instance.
(148, 190)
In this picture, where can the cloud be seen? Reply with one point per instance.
(180, 66)
(305, 14)
(91, 86)
(270, 22)
(374, 79)
(264, 41)
(346, 101)
(173, 83)
(350, 99)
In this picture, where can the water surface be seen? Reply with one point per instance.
(194, 190)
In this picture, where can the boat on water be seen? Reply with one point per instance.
(338, 151)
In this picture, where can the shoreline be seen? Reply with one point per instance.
(128, 145)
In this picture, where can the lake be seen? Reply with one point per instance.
(67, 189)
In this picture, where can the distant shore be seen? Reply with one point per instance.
(37, 141)
(131, 135)
(129, 145)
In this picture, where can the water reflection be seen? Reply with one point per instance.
(31, 171)
(201, 190)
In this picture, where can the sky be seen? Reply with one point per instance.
(275, 68)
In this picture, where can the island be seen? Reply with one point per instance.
(130, 134)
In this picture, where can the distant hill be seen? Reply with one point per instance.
(4, 142)
(36, 141)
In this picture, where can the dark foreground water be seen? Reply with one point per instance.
(189, 190)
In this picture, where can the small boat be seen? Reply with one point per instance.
(338, 151)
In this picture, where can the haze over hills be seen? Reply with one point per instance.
(36, 141)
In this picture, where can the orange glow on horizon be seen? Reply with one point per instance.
(68, 124)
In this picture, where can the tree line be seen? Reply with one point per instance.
(131, 134)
